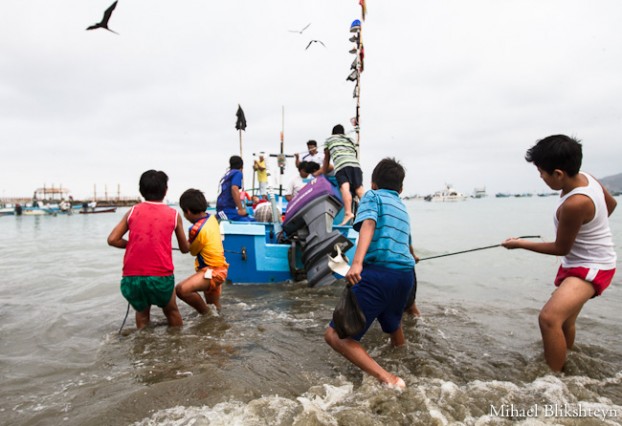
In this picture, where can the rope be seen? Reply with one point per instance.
(125, 319)
(475, 249)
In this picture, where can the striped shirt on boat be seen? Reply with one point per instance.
(342, 152)
(390, 245)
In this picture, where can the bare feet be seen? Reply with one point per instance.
(346, 218)
(413, 310)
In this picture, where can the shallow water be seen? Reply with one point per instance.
(473, 358)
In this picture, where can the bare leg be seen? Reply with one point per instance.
(212, 296)
(413, 310)
(557, 319)
(142, 318)
(172, 313)
(188, 291)
(356, 354)
(360, 191)
(346, 197)
(397, 337)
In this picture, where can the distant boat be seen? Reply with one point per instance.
(449, 194)
(36, 211)
(93, 210)
(502, 195)
(480, 192)
(7, 211)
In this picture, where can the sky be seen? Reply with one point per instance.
(456, 90)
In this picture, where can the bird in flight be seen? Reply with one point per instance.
(104, 22)
(300, 31)
(314, 41)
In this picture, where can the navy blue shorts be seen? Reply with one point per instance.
(382, 294)
(352, 175)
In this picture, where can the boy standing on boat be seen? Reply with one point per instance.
(382, 271)
(148, 262)
(342, 151)
(583, 238)
(228, 204)
(259, 166)
(206, 244)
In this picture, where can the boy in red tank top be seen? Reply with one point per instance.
(148, 261)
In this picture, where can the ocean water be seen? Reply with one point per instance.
(473, 358)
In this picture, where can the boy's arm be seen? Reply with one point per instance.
(365, 236)
(182, 241)
(324, 168)
(115, 239)
(575, 211)
(412, 251)
(235, 193)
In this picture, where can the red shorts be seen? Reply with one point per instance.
(599, 279)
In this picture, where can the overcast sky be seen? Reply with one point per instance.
(457, 90)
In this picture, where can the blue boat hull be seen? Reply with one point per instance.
(255, 256)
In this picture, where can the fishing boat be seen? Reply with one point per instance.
(297, 250)
(479, 192)
(306, 246)
(7, 211)
(449, 194)
(91, 208)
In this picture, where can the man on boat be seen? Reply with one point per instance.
(259, 166)
(312, 156)
(300, 180)
(229, 206)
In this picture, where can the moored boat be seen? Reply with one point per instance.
(449, 194)
(91, 208)
(479, 192)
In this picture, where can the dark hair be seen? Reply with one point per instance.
(311, 167)
(556, 152)
(193, 200)
(236, 162)
(153, 185)
(311, 142)
(338, 130)
(302, 165)
(388, 174)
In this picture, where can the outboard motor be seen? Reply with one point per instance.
(309, 221)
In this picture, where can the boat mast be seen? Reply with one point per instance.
(357, 68)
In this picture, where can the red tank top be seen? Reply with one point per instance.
(149, 247)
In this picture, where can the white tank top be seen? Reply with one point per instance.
(593, 247)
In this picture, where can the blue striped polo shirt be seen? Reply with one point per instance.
(390, 245)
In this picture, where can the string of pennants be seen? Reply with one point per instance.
(358, 64)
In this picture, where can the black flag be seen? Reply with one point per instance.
(241, 123)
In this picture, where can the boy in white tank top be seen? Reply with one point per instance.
(583, 238)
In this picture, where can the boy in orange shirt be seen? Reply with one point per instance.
(206, 244)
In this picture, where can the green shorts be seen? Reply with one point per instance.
(144, 291)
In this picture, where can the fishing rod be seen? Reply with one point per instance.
(475, 249)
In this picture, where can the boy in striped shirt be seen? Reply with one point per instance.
(382, 271)
(342, 151)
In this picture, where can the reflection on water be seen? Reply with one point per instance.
(263, 360)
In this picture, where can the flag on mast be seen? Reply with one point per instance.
(240, 124)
